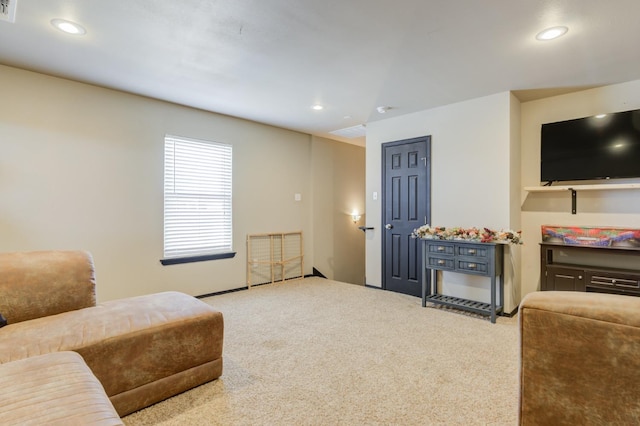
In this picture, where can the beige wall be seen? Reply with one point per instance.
(473, 157)
(513, 254)
(338, 177)
(594, 208)
(82, 168)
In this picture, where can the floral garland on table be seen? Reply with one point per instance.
(484, 235)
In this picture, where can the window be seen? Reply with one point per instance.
(197, 200)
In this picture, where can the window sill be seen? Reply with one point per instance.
(201, 258)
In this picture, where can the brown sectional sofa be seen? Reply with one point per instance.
(142, 349)
(580, 359)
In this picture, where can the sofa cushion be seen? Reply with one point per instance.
(53, 389)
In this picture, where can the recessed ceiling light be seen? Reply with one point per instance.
(68, 27)
(551, 33)
(601, 115)
(317, 107)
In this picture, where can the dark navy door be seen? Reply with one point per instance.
(406, 198)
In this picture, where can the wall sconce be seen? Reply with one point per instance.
(355, 216)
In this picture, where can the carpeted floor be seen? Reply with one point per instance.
(320, 352)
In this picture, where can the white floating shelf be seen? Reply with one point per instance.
(575, 188)
(596, 187)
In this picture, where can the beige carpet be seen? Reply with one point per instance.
(320, 352)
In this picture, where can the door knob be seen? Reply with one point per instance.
(388, 226)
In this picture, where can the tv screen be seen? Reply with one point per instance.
(605, 146)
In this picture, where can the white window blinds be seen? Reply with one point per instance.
(197, 197)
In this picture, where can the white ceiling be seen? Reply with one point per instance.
(270, 60)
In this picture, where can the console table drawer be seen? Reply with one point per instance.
(442, 263)
(441, 248)
(481, 268)
(473, 251)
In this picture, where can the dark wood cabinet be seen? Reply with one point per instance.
(561, 269)
(559, 278)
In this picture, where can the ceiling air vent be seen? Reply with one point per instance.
(8, 10)
(351, 132)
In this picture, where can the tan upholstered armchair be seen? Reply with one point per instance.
(580, 359)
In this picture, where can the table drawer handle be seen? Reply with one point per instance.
(440, 248)
(472, 251)
(473, 266)
(441, 262)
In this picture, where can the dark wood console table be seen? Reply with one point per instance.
(465, 257)
(559, 274)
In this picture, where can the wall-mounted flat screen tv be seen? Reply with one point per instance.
(605, 146)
